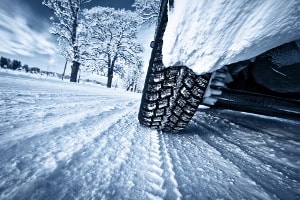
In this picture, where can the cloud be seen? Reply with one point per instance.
(18, 38)
(25, 36)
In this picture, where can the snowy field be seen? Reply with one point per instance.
(71, 141)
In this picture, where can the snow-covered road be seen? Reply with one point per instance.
(72, 141)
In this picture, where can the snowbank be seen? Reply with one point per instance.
(205, 35)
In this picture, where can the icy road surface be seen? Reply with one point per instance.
(69, 141)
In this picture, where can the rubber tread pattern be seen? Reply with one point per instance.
(172, 96)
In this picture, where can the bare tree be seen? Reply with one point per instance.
(111, 40)
(65, 26)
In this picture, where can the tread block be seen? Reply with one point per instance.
(154, 87)
(194, 102)
(172, 73)
(170, 82)
(173, 119)
(168, 92)
(181, 102)
(147, 119)
(177, 111)
(158, 66)
(152, 96)
(163, 103)
(185, 92)
(157, 119)
(149, 106)
(189, 82)
(157, 77)
(198, 91)
(160, 112)
(148, 114)
(156, 124)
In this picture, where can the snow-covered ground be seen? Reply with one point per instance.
(70, 141)
(206, 35)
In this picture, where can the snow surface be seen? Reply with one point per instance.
(72, 141)
(206, 35)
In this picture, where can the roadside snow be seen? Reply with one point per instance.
(206, 35)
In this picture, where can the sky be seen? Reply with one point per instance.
(25, 35)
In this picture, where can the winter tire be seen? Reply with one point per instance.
(171, 97)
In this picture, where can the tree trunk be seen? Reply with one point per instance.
(110, 76)
(74, 71)
(135, 86)
(75, 63)
(128, 88)
(63, 75)
(110, 70)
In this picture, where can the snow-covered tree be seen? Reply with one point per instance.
(132, 78)
(16, 64)
(3, 62)
(148, 9)
(111, 41)
(65, 27)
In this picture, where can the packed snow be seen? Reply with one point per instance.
(206, 35)
(61, 140)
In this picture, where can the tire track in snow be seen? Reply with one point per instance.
(170, 184)
(142, 170)
(203, 173)
(48, 122)
(157, 178)
(266, 156)
(155, 172)
(249, 161)
(263, 175)
(41, 155)
(179, 163)
(107, 168)
(274, 141)
(122, 161)
(46, 109)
